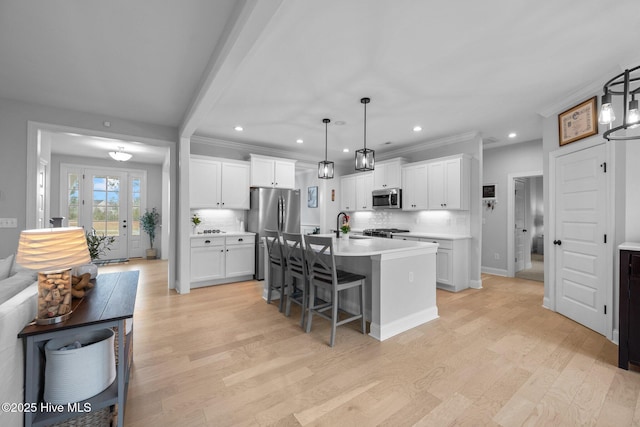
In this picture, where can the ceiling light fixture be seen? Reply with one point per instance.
(345, 150)
(325, 168)
(365, 158)
(626, 85)
(512, 135)
(299, 141)
(120, 155)
(417, 128)
(238, 128)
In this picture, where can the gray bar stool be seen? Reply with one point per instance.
(297, 293)
(324, 274)
(277, 262)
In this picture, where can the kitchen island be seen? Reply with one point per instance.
(400, 285)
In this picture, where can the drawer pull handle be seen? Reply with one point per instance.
(207, 241)
(240, 240)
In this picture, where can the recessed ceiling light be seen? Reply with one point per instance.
(417, 128)
(345, 150)
(299, 141)
(238, 128)
(512, 135)
(339, 123)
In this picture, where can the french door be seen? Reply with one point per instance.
(108, 201)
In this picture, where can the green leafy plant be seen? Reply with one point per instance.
(345, 227)
(98, 244)
(195, 220)
(150, 221)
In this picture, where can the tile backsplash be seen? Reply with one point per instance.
(221, 219)
(446, 222)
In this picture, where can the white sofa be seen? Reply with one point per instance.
(18, 294)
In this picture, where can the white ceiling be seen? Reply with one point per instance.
(451, 67)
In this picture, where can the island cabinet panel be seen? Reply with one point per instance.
(414, 187)
(388, 174)
(272, 172)
(219, 184)
(448, 184)
(356, 192)
(452, 261)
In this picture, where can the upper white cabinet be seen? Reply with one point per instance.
(414, 187)
(217, 183)
(388, 174)
(348, 193)
(356, 192)
(364, 188)
(272, 172)
(448, 183)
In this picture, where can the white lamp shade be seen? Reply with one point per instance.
(50, 249)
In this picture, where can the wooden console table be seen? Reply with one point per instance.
(107, 305)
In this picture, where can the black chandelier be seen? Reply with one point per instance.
(365, 158)
(325, 168)
(627, 85)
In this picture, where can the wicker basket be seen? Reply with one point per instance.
(101, 418)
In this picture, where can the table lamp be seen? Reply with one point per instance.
(53, 252)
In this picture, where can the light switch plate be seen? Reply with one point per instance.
(8, 222)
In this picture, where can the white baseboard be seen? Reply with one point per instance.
(616, 336)
(494, 271)
(396, 327)
(475, 284)
(546, 304)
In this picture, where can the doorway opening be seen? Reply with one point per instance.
(525, 237)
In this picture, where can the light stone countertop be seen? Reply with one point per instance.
(629, 246)
(225, 234)
(364, 246)
(443, 236)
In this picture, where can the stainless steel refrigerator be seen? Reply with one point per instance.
(272, 209)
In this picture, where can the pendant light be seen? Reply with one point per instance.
(325, 168)
(365, 158)
(120, 155)
(624, 87)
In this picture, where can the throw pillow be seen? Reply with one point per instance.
(5, 267)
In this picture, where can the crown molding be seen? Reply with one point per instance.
(252, 149)
(492, 145)
(426, 145)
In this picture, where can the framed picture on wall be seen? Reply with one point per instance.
(312, 197)
(578, 122)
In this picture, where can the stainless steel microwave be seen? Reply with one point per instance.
(388, 198)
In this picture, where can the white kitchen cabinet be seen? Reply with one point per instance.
(348, 193)
(388, 174)
(452, 261)
(272, 172)
(207, 258)
(235, 185)
(214, 183)
(218, 260)
(448, 183)
(364, 188)
(414, 187)
(240, 255)
(204, 183)
(356, 192)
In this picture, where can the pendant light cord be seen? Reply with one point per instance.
(365, 125)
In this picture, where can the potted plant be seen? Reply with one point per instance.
(98, 245)
(345, 227)
(149, 222)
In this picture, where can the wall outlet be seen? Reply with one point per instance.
(8, 222)
(496, 255)
(411, 277)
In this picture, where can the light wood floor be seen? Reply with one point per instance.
(221, 356)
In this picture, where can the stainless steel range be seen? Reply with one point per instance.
(383, 232)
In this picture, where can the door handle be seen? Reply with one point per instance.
(557, 242)
(524, 230)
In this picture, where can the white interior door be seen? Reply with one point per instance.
(579, 237)
(520, 221)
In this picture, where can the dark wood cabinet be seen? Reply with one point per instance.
(629, 346)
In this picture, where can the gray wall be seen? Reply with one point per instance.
(498, 164)
(13, 152)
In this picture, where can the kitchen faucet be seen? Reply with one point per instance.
(338, 222)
